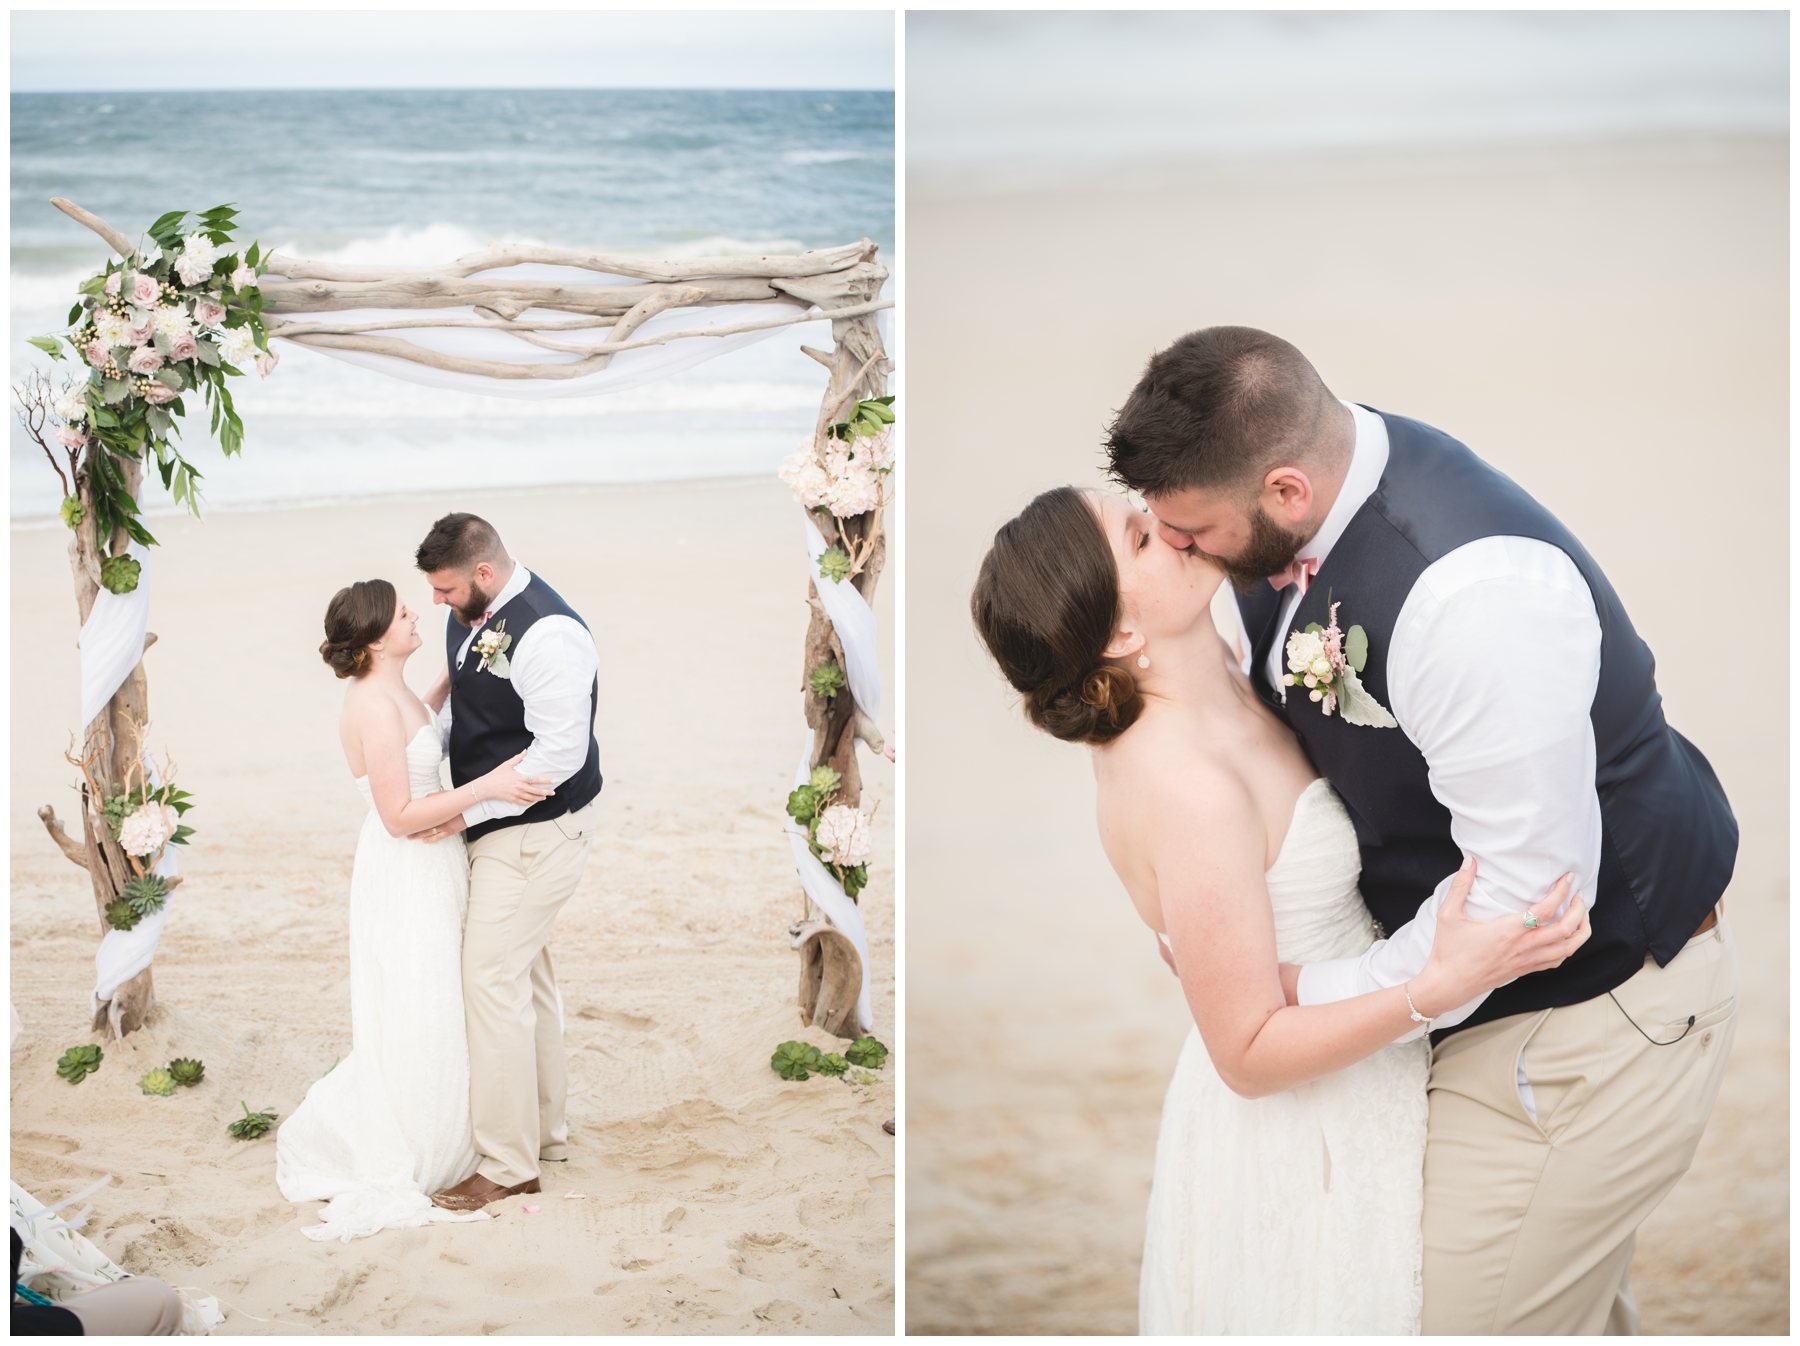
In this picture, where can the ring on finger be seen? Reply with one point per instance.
(1531, 920)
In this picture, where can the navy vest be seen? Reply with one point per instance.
(487, 718)
(1669, 840)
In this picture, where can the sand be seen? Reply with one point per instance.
(1609, 326)
(716, 1198)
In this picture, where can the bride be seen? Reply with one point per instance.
(1288, 1187)
(389, 1123)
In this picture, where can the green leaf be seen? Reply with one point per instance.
(253, 254)
(206, 353)
(93, 286)
(867, 1052)
(48, 345)
(1356, 648)
(167, 223)
(792, 1060)
(74, 314)
(1313, 628)
(114, 391)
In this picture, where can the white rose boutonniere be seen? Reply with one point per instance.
(492, 645)
(1325, 661)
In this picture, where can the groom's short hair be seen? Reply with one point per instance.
(459, 542)
(1217, 410)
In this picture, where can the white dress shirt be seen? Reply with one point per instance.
(1492, 668)
(552, 667)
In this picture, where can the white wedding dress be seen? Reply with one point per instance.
(1299, 1212)
(389, 1124)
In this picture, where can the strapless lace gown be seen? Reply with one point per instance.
(1299, 1212)
(389, 1124)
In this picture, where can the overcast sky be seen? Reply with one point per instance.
(344, 49)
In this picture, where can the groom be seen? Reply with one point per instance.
(522, 672)
(1566, 1105)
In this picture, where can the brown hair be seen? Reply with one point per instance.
(460, 542)
(1217, 409)
(357, 615)
(1045, 605)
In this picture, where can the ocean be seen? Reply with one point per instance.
(418, 178)
(1002, 102)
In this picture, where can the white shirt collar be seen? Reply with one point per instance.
(1368, 461)
(516, 586)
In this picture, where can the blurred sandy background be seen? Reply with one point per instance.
(1563, 239)
(716, 1198)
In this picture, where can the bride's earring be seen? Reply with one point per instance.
(1143, 659)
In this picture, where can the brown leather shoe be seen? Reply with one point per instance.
(475, 1192)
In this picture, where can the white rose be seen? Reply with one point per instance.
(1321, 667)
(71, 406)
(1303, 648)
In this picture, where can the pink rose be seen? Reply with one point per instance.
(96, 353)
(243, 275)
(183, 347)
(145, 360)
(112, 284)
(160, 393)
(71, 437)
(266, 362)
(137, 336)
(208, 313)
(144, 290)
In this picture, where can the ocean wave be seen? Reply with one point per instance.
(824, 156)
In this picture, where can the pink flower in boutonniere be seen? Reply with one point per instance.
(492, 645)
(1325, 661)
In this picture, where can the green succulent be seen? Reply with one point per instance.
(146, 893)
(827, 680)
(121, 915)
(867, 1052)
(856, 879)
(832, 1064)
(863, 1078)
(834, 564)
(252, 1124)
(793, 1060)
(73, 511)
(78, 1063)
(120, 574)
(158, 1082)
(808, 801)
(187, 1072)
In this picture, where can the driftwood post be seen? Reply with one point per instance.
(844, 282)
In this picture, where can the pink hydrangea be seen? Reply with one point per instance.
(843, 836)
(143, 832)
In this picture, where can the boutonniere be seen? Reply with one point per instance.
(1325, 661)
(492, 645)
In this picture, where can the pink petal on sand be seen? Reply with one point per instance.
(530, 1210)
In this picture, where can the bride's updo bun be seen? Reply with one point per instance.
(1045, 604)
(358, 615)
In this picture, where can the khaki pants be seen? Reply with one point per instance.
(519, 878)
(1530, 1224)
(139, 1306)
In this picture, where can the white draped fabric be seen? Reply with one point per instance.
(854, 621)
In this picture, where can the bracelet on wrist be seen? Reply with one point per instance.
(1413, 1009)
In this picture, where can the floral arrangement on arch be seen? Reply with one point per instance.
(182, 313)
(144, 817)
(837, 834)
(843, 474)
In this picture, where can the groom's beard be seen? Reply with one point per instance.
(1270, 550)
(478, 605)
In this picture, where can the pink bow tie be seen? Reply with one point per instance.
(486, 617)
(1301, 572)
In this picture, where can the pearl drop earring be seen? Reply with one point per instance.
(1143, 661)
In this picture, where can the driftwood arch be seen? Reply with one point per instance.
(843, 284)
